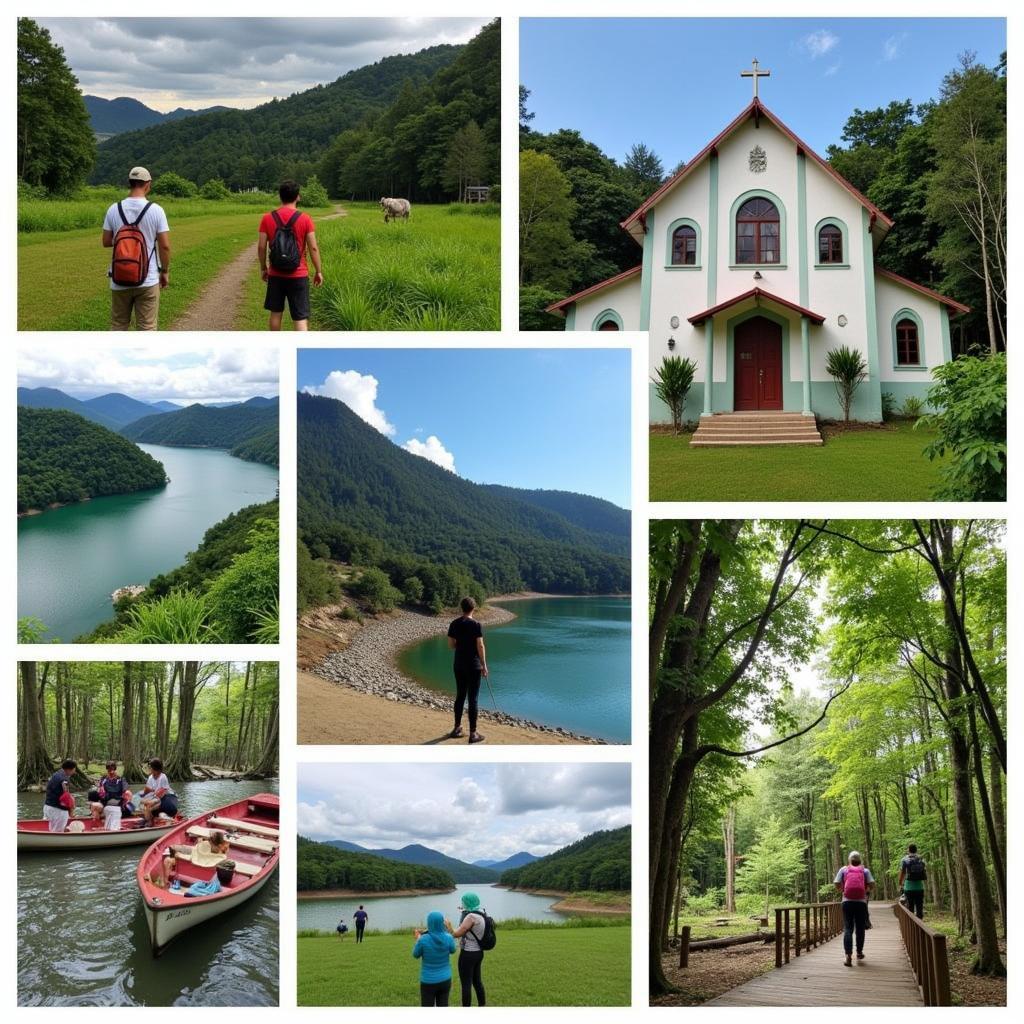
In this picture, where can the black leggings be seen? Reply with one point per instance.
(915, 902)
(467, 686)
(470, 965)
(359, 932)
(435, 993)
(855, 917)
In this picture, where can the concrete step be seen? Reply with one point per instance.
(755, 438)
(752, 442)
(756, 428)
(757, 417)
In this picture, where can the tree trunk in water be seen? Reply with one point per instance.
(34, 763)
(729, 842)
(132, 770)
(267, 766)
(179, 763)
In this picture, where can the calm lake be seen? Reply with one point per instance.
(390, 912)
(71, 559)
(82, 938)
(563, 661)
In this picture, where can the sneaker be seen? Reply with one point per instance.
(848, 961)
(860, 956)
(456, 733)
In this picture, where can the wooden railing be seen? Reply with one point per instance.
(820, 922)
(926, 949)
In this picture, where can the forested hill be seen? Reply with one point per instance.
(415, 853)
(64, 457)
(366, 500)
(125, 114)
(283, 138)
(599, 862)
(322, 866)
(249, 430)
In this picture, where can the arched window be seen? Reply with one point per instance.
(609, 325)
(607, 320)
(684, 246)
(830, 244)
(757, 232)
(908, 351)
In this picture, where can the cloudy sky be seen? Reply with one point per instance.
(237, 62)
(552, 418)
(186, 376)
(472, 812)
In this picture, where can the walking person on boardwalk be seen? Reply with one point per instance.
(136, 229)
(286, 235)
(855, 882)
(466, 639)
(912, 879)
(361, 917)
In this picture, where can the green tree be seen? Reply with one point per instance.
(314, 194)
(215, 189)
(772, 864)
(546, 244)
(56, 146)
(376, 591)
(466, 160)
(644, 167)
(171, 184)
(525, 114)
(245, 593)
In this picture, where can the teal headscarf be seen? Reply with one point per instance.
(470, 902)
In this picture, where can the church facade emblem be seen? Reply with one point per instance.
(758, 160)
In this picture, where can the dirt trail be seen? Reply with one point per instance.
(217, 305)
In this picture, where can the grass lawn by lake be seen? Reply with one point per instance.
(552, 966)
(887, 464)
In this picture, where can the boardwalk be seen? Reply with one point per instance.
(819, 977)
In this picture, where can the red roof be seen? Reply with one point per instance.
(758, 109)
(951, 304)
(757, 294)
(557, 307)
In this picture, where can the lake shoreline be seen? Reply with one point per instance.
(356, 894)
(573, 903)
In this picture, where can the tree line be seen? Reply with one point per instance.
(599, 862)
(321, 866)
(221, 714)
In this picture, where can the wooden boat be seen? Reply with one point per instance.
(35, 834)
(251, 828)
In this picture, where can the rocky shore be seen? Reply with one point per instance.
(369, 665)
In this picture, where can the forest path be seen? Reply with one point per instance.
(217, 306)
(820, 978)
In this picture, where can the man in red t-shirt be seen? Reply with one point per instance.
(286, 273)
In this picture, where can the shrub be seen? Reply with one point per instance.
(376, 591)
(181, 617)
(215, 189)
(970, 399)
(847, 367)
(533, 301)
(313, 193)
(245, 593)
(888, 405)
(672, 382)
(912, 407)
(316, 584)
(706, 903)
(171, 184)
(412, 590)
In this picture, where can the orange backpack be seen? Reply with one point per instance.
(129, 265)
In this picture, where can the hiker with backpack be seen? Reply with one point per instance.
(285, 236)
(136, 229)
(475, 934)
(912, 879)
(855, 882)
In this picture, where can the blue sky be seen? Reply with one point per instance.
(468, 811)
(549, 418)
(674, 84)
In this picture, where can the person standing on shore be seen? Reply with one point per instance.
(361, 917)
(433, 949)
(466, 639)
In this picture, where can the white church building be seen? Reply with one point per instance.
(758, 258)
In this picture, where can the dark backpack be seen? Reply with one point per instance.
(285, 254)
(490, 937)
(915, 869)
(129, 264)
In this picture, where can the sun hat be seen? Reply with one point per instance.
(139, 174)
(470, 901)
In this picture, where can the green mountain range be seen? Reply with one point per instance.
(125, 114)
(597, 863)
(112, 411)
(327, 866)
(460, 871)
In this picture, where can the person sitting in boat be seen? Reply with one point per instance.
(58, 803)
(111, 799)
(157, 795)
(207, 853)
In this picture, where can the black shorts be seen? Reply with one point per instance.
(294, 289)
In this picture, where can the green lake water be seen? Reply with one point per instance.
(563, 661)
(82, 937)
(71, 559)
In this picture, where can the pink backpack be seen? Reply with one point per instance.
(854, 883)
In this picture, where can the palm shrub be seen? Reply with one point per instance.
(970, 402)
(672, 382)
(847, 368)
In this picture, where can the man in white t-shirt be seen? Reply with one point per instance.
(145, 298)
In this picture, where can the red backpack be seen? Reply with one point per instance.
(129, 265)
(854, 883)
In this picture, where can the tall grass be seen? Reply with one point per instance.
(182, 617)
(436, 272)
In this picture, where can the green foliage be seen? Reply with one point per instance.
(262, 447)
(467, 159)
(203, 426)
(643, 167)
(600, 861)
(533, 303)
(672, 382)
(912, 407)
(215, 189)
(412, 590)
(33, 631)
(56, 147)
(171, 184)
(321, 866)
(771, 864)
(375, 590)
(316, 585)
(243, 598)
(847, 367)
(314, 194)
(888, 406)
(546, 245)
(64, 457)
(970, 399)
(181, 617)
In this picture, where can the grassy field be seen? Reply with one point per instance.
(440, 271)
(858, 465)
(583, 965)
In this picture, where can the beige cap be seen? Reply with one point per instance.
(139, 174)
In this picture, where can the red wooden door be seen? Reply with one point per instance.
(757, 351)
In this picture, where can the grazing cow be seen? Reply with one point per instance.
(395, 208)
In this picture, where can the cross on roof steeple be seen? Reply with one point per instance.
(755, 74)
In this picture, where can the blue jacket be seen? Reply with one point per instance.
(434, 949)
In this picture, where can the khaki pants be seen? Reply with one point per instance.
(145, 302)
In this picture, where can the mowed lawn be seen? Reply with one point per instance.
(565, 966)
(859, 465)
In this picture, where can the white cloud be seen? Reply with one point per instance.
(833, 68)
(433, 450)
(819, 42)
(471, 798)
(359, 392)
(580, 787)
(893, 46)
